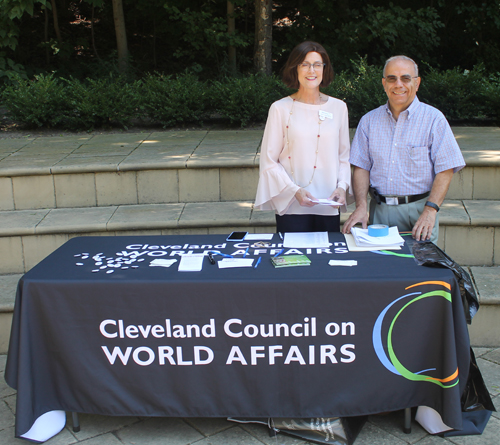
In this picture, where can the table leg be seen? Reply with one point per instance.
(407, 425)
(76, 422)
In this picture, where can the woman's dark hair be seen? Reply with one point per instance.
(297, 56)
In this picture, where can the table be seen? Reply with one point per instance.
(96, 329)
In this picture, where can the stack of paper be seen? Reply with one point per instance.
(191, 263)
(392, 240)
(226, 263)
(162, 263)
(306, 240)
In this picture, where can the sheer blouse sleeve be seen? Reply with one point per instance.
(275, 191)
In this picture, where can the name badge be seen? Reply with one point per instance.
(325, 115)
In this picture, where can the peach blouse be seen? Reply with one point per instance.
(293, 149)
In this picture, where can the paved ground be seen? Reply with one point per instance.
(380, 430)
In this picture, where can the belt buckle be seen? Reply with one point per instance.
(391, 200)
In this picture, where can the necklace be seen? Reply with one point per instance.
(290, 151)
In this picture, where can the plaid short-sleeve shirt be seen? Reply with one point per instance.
(404, 156)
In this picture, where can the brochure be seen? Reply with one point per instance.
(290, 261)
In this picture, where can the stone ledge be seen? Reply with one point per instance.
(131, 217)
(131, 152)
(467, 213)
(486, 282)
(179, 149)
(8, 286)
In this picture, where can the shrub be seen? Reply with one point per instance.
(247, 99)
(459, 95)
(99, 102)
(83, 105)
(492, 97)
(360, 87)
(40, 102)
(170, 101)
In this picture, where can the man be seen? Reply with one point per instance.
(405, 154)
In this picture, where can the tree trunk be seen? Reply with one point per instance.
(263, 36)
(231, 27)
(92, 34)
(46, 35)
(56, 21)
(121, 35)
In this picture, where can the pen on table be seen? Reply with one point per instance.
(279, 253)
(281, 235)
(211, 258)
(257, 263)
(246, 251)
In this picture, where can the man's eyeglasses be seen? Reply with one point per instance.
(405, 79)
(307, 66)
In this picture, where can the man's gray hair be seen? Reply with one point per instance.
(407, 59)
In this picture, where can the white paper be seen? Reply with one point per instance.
(306, 240)
(326, 202)
(191, 263)
(351, 245)
(343, 263)
(226, 263)
(162, 263)
(377, 242)
(258, 236)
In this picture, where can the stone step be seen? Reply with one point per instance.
(484, 330)
(469, 230)
(179, 167)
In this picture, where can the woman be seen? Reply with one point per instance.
(305, 149)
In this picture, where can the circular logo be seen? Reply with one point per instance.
(390, 359)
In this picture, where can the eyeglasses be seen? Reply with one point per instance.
(306, 66)
(405, 79)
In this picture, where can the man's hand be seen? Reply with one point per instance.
(304, 198)
(360, 215)
(338, 195)
(361, 182)
(422, 230)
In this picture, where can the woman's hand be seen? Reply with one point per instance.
(304, 198)
(338, 195)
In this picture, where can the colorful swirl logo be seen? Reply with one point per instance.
(391, 362)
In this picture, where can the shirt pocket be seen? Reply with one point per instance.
(419, 155)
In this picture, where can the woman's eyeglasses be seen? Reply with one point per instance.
(306, 66)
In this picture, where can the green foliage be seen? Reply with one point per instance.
(39, 103)
(360, 87)
(246, 99)
(172, 101)
(10, 13)
(100, 102)
(491, 97)
(10, 70)
(170, 36)
(459, 94)
(201, 39)
(48, 101)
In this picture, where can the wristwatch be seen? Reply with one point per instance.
(434, 206)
